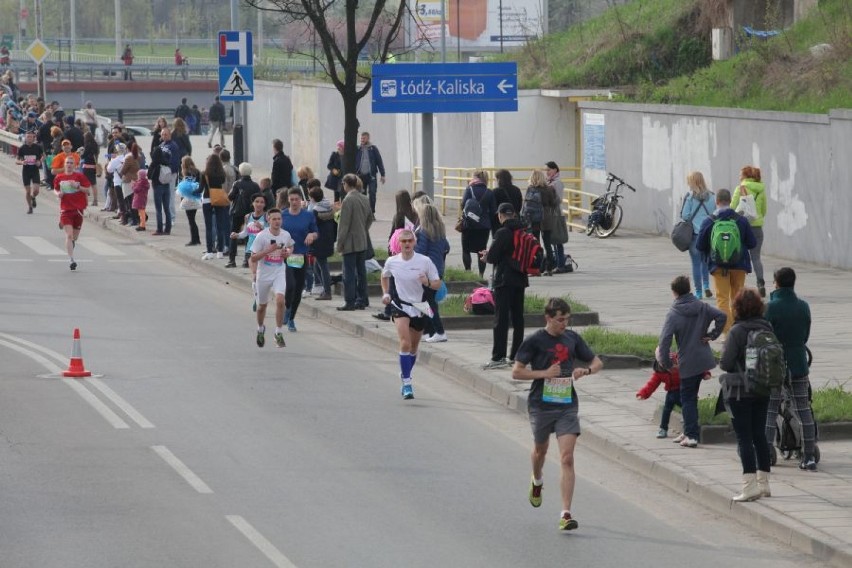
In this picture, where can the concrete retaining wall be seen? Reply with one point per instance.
(804, 160)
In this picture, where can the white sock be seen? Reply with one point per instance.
(279, 329)
(261, 328)
(538, 482)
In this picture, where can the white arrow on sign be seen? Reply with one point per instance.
(502, 86)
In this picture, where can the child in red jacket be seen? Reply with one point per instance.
(671, 381)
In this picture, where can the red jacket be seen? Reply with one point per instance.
(670, 379)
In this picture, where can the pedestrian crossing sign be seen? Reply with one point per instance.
(236, 83)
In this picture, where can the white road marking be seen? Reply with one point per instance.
(16, 260)
(99, 247)
(41, 246)
(194, 481)
(125, 406)
(257, 539)
(77, 260)
(3, 251)
(102, 409)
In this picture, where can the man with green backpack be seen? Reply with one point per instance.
(725, 239)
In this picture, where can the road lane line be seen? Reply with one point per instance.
(3, 251)
(41, 246)
(187, 474)
(102, 409)
(116, 399)
(99, 247)
(125, 406)
(257, 539)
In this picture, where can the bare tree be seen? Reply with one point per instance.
(345, 31)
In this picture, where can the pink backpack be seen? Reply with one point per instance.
(480, 302)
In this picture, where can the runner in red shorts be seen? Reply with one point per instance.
(72, 188)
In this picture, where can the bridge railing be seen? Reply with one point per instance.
(113, 71)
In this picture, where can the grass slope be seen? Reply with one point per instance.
(658, 51)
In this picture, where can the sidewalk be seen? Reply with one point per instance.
(626, 279)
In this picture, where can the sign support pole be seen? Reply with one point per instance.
(428, 154)
(42, 92)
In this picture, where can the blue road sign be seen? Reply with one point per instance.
(235, 49)
(445, 87)
(236, 83)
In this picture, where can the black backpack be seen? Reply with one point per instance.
(472, 212)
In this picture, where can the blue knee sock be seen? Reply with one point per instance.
(405, 364)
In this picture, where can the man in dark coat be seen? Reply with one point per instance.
(282, 168)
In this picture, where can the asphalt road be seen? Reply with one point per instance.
(195, 448)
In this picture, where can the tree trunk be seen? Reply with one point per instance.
(350, 130)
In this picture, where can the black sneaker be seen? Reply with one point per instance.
(73, 265)
(34, 203)
(231, 265)
(808, 464)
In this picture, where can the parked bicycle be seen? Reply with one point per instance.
(606, 212)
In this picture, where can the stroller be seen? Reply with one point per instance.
(788, 436)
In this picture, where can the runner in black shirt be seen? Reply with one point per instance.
(30, 156)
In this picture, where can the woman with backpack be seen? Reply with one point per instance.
(505, 192)
(478, 207)
(537, 212)
(697, 205)
(750, 184)
(746, 406)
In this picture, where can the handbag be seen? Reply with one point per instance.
(460, 225)
(683, 231)
(218, 196)
(747, 207)
(559, 235)
(165, 175)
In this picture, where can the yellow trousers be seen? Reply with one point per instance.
(728, 284)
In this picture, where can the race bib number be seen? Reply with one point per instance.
(68, 187)
(559, 390)
(274, 259)
(296, 260)
(30, 160)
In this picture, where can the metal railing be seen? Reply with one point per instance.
(450, 184)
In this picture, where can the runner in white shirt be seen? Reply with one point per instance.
(270, 249)
(403, 279)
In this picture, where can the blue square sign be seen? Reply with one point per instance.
(235, 49)
(236, 83)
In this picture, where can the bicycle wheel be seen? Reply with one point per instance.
(590, 228)
(615, 213)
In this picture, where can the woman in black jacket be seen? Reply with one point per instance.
(505, 192)
(213, 176)
(747, 408)
(335, 171)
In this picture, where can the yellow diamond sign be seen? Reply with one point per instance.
(37, 51)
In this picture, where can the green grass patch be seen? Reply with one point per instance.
(830, 404)
(613, 342)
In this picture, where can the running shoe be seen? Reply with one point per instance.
(498, 364)
(436, 338)
(567, 523)
(29, 211)
(261, 339)
(535, 493)
(34, 203)
(689, 443)
(679, 439)
(808, 464)
(279, 340)
(662, 433)
(73, 265)
(291, 326)
(407, 392)
(286, 316)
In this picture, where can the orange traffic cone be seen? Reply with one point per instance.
(76, 367)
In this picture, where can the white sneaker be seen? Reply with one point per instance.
(207, 256)
(306, 293)
(220, 255)
(689, 443)
(679, 439)
(436, 338)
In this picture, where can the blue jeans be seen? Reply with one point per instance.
(672, 400)
(748, 417)
(700, 269)
(370, 184)
(355, 279)
(220, 215)
(689, 404)
(161, 206)
(559, 253)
